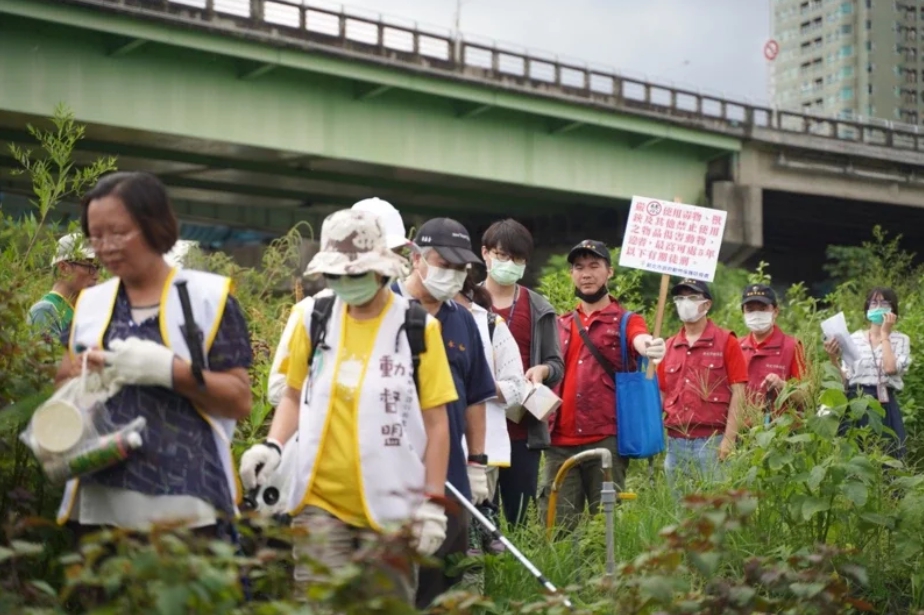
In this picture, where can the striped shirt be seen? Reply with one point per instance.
(868, 370)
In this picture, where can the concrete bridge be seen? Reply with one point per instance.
(259, 114)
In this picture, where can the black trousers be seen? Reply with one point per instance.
(517, 485)
(433, 581)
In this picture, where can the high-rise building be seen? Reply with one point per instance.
(850, 58)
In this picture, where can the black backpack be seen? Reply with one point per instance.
(414, 327)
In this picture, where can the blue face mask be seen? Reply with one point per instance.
(877, 315)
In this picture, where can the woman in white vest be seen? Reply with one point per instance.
(183, 472)
(370, 450)
(503, 356)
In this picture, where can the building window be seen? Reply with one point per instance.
(847, 72)
(846, 51)
(846, 114)
(869, 45)
(869, 24)
(846, 8)
(847, 93)
(847, 29)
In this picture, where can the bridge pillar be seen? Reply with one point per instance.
(744, 229)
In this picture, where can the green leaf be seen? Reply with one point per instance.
(815, 477)
(6, 554)
(833, 398)
(172, 600)
(705, 563)
(812, 505)
(44, 587)
(741, 596)
(856, 493)
(658, 588)
(799, 438)
(26, 548)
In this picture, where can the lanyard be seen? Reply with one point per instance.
(513, 306)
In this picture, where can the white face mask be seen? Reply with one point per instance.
(758, 321)
(688, 310)
(443, 284)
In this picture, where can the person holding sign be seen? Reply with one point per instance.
(885, 355)
(702, 378)
(591, 347)
(772, 357)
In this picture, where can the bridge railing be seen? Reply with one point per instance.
(296, 21)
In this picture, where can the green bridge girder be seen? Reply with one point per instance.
(266, 148)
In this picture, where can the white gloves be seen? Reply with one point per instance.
(478, 480)
(429, 528)
(258, 463)
(655, 349)
(141, 362)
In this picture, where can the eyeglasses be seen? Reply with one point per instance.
(505, 258)
(693, 298)
(114, 240)
(90, 267)
(880, 304)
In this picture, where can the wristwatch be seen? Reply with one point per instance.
(479, 459)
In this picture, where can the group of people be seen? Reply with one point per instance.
(406, 372)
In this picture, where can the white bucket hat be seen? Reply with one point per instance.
(395, 234)
(73, 247)
(353, 242)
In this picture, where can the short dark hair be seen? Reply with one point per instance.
(145, 198)
(513, 237)
(886, 293)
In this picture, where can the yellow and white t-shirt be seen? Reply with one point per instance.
(337, 472)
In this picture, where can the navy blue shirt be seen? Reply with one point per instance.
(179, 455)
(472, 377)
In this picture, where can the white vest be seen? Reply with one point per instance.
(496, 438)
(390, 427)
(208, 294)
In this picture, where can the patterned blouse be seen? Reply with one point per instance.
(179, 456)
(866, 371)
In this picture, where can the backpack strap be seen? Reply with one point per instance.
(414, 327)
(320, 315)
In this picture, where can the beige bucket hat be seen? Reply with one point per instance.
(353, 242)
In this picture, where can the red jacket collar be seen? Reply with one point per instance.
(707, 336)
(774, 340)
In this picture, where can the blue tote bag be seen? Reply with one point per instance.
(638, 406)
(640, 425)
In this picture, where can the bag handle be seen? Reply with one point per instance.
(623, 325)
(604, 363)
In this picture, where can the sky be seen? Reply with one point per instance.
(711, 45)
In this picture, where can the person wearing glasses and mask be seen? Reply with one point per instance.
(506, 247)
(885, 355)
(702, 379)
(441, 259)
(773, 358)
(133, 324)
(75, 268)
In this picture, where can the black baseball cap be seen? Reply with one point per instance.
(590, 246)
(759, 293)
(697, 286)
(449, 239)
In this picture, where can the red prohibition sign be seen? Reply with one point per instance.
(771, 50)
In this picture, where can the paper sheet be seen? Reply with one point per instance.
(836, 327)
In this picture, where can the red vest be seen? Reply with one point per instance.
(595, 408)
(697, 393)
(774, 356)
